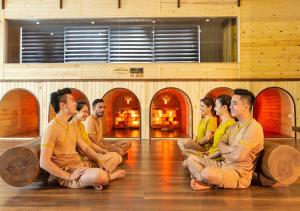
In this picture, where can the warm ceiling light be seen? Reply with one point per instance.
(127, 99)
(92, 22)
(37, 23)
(207, 20)
(153, 21)
(166, 99)
(51, 33)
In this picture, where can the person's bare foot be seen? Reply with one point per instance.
(196, 185)
(117, 174)
(98, 187)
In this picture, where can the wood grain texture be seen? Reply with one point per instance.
(155, 180)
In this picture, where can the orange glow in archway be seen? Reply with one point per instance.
(274, 109)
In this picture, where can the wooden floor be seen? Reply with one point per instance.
(176, 133)
(123, 133)
(155, 181)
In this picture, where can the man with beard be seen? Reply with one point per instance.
(58, 149)
(93, 126)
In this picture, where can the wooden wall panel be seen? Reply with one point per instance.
(194, 8)
(129, 8)
(269, 39)
(195, 90)
(42, 71)
(42, 9)
(1, 46)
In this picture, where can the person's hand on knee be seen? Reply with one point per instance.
(77, 173)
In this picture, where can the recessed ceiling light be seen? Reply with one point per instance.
(92, 22)
(51, 33)
(153, 21)
(100, 33)
(207, 20)
(37, 23)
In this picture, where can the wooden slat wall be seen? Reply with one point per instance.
(190, 8)
(270, 38)
(1, 45)
(145, 91)
(109, 8)
(121, 71)
(42, 9)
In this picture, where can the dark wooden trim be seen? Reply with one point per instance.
(119, 4)
(3, 4)
(296, 129)
(238, 3)
(178, 3)
(60, 4)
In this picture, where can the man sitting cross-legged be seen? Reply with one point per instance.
(240, 147)
(58, 149)
(93, 126)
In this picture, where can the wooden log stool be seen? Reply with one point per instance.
(20, 166)
(278, 165)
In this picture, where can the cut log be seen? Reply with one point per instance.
(20, 166)
(278, 164)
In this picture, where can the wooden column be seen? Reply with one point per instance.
(3, 4)
(60, 4)
(178, 3)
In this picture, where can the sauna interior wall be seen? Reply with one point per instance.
(19, 114)
(145, 91)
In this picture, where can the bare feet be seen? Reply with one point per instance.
(196, 185)
(117, 174)
(98, 187)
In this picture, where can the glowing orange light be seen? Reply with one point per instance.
(127, 99)
(166, 99)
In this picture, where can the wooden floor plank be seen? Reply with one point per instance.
(155, 180)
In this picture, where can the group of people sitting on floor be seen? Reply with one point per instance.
(76, 153)
(218, 156)
(225, 155)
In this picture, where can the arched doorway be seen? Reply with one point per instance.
(170, 114)
(274, 109)
(77, 94)
(214, 93)
(19, 115)
(122, 116)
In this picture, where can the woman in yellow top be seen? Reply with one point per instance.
(110, 160)
(205, 130)
(222, 109)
